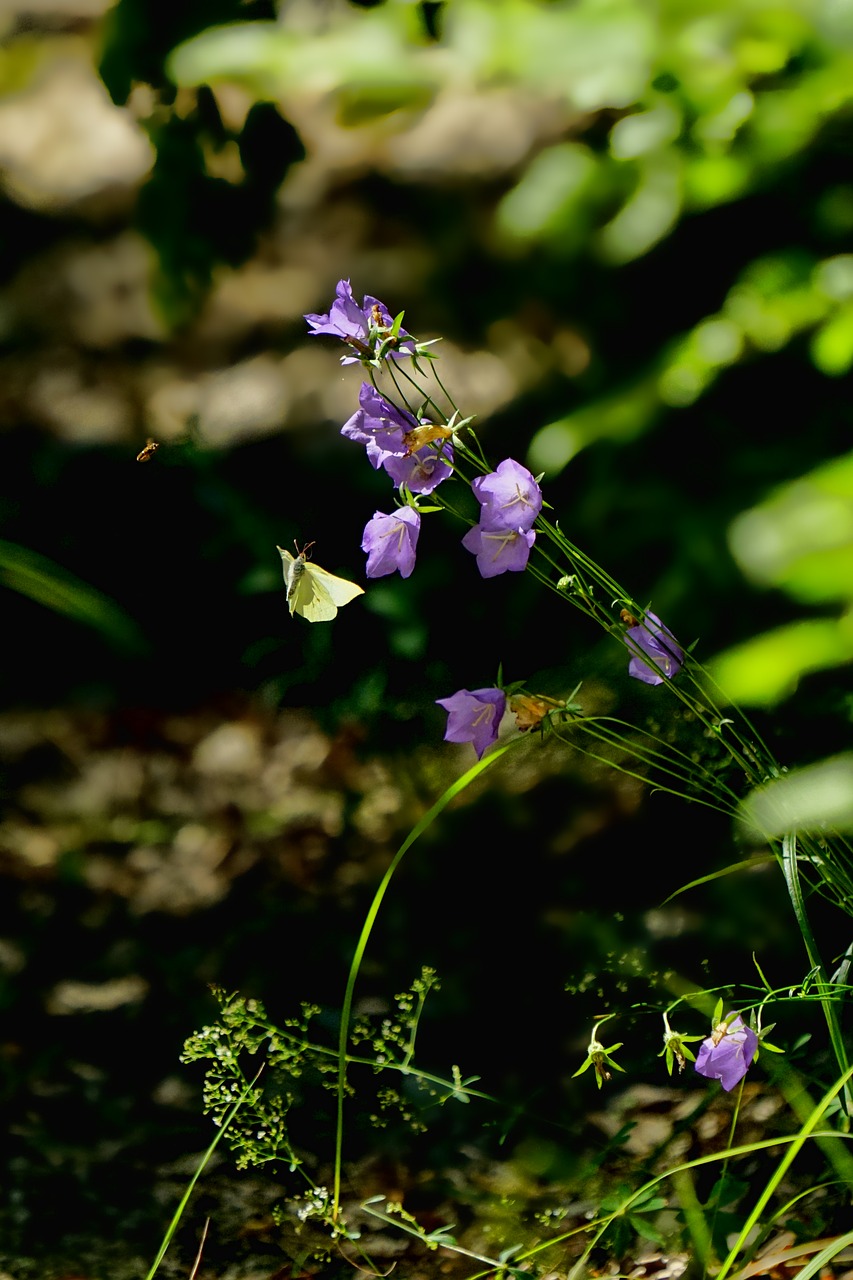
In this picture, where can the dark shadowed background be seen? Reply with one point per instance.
(631, 229)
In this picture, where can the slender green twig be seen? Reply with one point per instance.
(807, 1131)
(179, 1212)
(792, 880)
(346, 1009)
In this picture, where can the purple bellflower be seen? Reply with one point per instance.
(474, 716)
(658, 642)
(510, 498)
(362, 328)
(499, 550)
(422, 471)
(390, 542)
(379, 425)
(727, 1053)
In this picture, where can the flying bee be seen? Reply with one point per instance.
(146, 454)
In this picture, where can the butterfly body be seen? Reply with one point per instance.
(314, 592)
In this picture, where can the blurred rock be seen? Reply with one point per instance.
(25, 13)
(93, 414)
(242, 403)
(63, 141)
(232, 748)
(96, 997)
(183, 878)
(470, 132)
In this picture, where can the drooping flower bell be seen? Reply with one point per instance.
(727, 1053)
(391, 541)
(509, 497)
(368, 330)
(658, 643)
(510, 500)
(474, 716)
(499, 550)
(379, 425)
(423, 471)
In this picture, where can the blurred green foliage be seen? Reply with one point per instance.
(801, 541)
(817, 799)
(660, 260)
(678, 110)
(47, 583)
(196, 219)
(704, 99)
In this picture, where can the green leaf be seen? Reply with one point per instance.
(646, 1230)
(47, 583)
(763, 671)
(816, 798)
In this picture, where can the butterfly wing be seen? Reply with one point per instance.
(322, 594)
(314, 592)
(340, 590)
(293, 568)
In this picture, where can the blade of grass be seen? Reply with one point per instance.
(179, 1212)
(346, 1009)
(47, 583)
(781, 1169)
(795, 893)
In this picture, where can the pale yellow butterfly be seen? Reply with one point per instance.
(312, 591)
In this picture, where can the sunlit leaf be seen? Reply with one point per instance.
(814, 799)
(47, 583)
(766, 669)
(801, 538)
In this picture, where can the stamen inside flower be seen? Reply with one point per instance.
(520, 497)
(503, 540)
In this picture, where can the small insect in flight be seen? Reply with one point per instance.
(146, 454)
(312, 591)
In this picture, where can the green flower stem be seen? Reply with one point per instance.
(621, 733)
(794, 1089)
(790, 870)
(346, 1010)
(684, 1186)
(744, 747)
(179, 1212)
(794, 1144)
(807, 1131)
(588, 572)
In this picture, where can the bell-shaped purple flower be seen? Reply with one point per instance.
(390, 542)
(510, 498)
(474, 716)
(379, 425)
(422, 471)
(499, 550)
(363, 327)
(658, 642)
(727, 1053)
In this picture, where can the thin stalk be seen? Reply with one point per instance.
(807, 1131)
(179, 1212)
(346, 1009)
(694, 1216)
(792, 880)
(666, 761)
